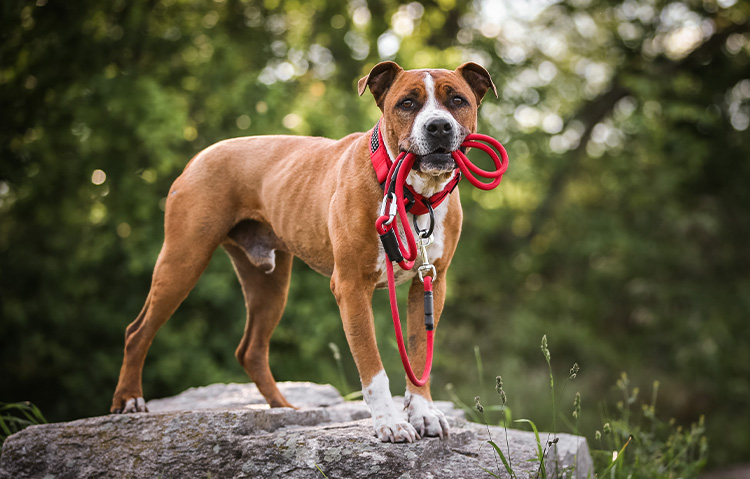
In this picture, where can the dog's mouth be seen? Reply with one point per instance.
(437, 163)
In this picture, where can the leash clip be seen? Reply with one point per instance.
(391, 210)
(426, 267)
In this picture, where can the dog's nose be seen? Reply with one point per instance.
(439, 128)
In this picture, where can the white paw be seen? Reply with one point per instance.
(425, 417)
(390, 425)
(393, 428)
(135, 405)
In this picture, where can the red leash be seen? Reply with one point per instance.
(394, 204)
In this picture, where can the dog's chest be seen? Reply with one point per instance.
(434, 250)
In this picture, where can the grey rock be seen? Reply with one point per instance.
(186, 437)
(300, 394)
(233, 395)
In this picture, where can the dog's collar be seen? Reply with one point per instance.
(381, 162)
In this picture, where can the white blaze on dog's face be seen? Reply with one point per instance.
(428, 112)
(434, 128)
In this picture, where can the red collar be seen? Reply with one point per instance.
(381, 162)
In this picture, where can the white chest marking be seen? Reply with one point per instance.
(427, 186)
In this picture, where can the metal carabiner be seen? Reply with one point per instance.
(392, 210)
(423, 243)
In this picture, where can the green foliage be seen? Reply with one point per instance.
(16, 416)
(620, 228)
(659, 450)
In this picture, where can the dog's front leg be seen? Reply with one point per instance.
(354, 297)
(427, 419)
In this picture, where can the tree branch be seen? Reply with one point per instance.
(597, 109)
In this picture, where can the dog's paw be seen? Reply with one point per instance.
(392, 428)
(132, 405)
(427, 419)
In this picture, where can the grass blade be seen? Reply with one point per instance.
(490, 472)
(5, 429)
(502, 458)
(536, 434)
(321, 471)
(353, 396)
(16, 416)
(480, 367)
(540, 451)
(618, 458)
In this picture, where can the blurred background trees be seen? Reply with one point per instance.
(620, 230)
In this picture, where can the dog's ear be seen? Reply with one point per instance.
(477, 78)
(379, 80)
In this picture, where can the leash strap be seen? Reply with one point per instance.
(430, 330)
(393, 206)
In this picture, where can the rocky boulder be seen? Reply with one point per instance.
(227, 431)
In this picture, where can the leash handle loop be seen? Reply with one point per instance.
(469, 169)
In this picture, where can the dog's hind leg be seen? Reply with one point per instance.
(264, 275)
(176, 272)
(189, 241)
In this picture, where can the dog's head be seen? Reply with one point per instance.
(428, 112)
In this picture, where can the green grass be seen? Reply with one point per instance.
(635, 442)
(17, 416)
(656, 448)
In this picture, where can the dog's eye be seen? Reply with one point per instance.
(407, 104)
(458, 101)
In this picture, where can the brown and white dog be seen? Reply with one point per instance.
(266, 199)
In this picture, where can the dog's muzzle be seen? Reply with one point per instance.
(435, 163)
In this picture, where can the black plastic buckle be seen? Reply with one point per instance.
(429, 318)
(390, 246)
